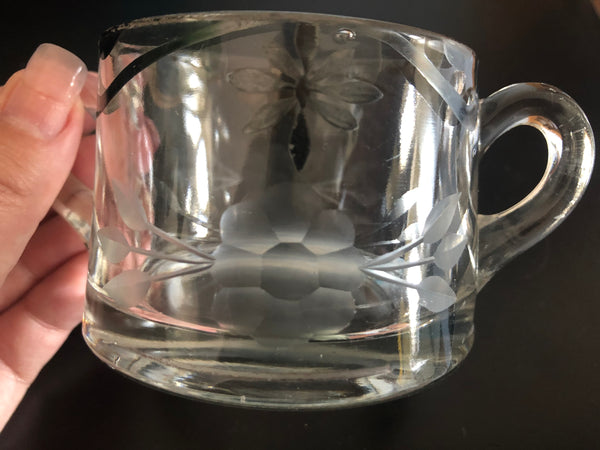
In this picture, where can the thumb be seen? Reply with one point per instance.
(41, 119)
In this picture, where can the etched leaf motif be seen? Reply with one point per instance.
(335, 63)
(269, 114)
(408, 199)
(281, 59)
(129, 287)
(254, 80)
(334, 113)
(410, 233)
(129, 207)
(113, 244)
(352, 91)
(456, 222)
(439, 219)
(449, 250)
(435, 294)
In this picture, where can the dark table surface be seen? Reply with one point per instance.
(532, 379)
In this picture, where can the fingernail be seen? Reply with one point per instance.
(51, 82)
(89, 98)
(89, 93)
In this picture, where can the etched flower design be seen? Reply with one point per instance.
(305, 79)
(286, 266)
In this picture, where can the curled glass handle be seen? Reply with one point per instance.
(75, 204)
(570, 144)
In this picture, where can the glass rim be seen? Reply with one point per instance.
(293, 16)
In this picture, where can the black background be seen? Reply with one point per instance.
(532, 379)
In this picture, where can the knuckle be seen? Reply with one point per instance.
(17, 179)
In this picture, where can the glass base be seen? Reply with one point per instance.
(240, 371)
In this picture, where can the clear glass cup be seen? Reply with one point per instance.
(285, 210)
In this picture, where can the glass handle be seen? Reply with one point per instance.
(75, 204)
(570, 144)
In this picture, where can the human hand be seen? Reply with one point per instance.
(43, 262)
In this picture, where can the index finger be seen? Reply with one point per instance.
(41, 119)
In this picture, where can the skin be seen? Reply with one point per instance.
(45, 132)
